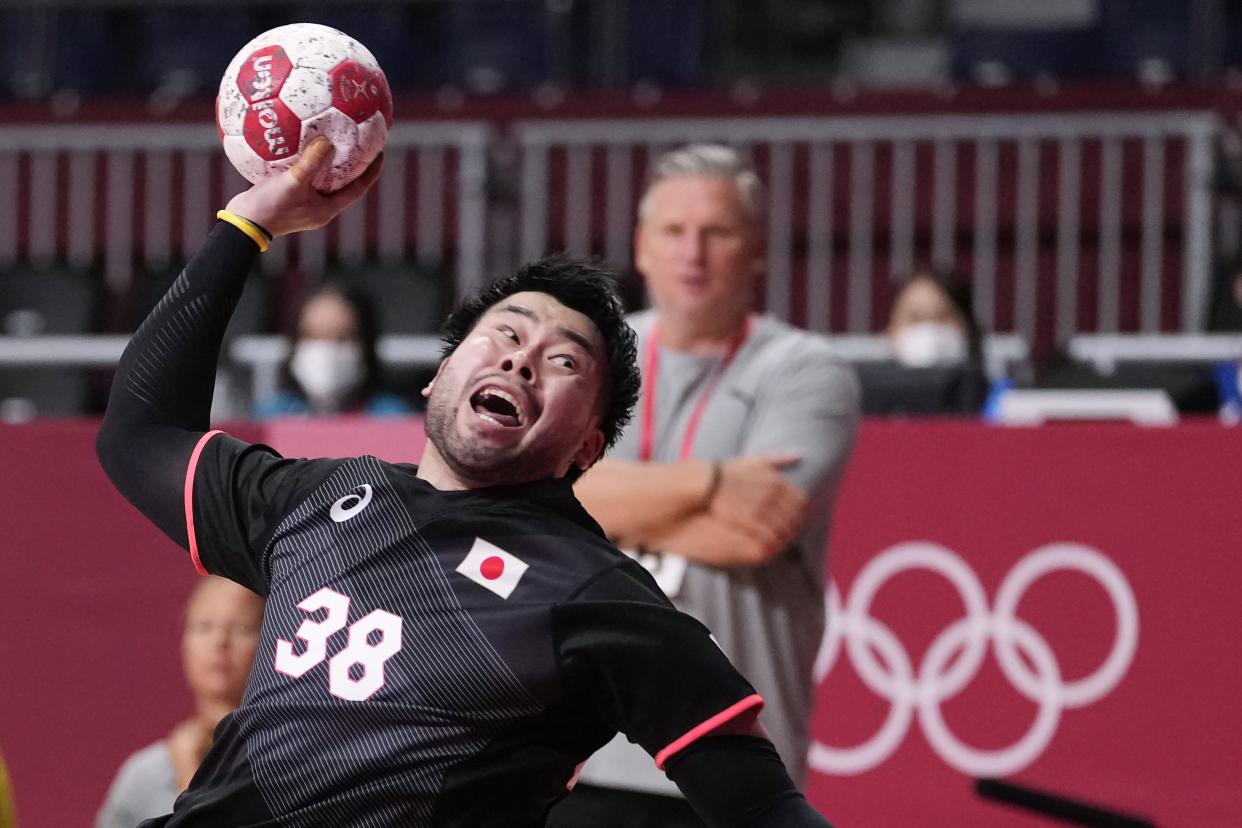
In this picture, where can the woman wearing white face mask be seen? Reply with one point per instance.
(333, 367)
(930, 323)
(931, 328)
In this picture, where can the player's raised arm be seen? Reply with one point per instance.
(161, 397)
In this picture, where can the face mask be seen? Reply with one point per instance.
(928, 344)
(327, 370)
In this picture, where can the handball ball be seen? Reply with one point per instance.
(293, 83)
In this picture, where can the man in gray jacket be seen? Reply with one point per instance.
(723, 485)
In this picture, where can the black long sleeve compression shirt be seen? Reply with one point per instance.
(161, 396)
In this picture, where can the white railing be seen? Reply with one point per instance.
(144, 196)
(852, 200)
(261, 356)
(1106, 351)
(1033, 205)
(852, 194)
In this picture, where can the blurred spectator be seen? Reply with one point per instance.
(930, 322)
(221, 633)
(333, 367)
(8, 815)
(937, 351)
(723, 486)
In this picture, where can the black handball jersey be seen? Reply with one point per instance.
(431, 658)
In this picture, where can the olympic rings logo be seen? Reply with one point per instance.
(892, 675)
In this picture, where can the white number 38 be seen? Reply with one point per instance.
(358, 651)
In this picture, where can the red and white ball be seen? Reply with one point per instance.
(292, 83)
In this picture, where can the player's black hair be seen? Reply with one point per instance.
(590, 291)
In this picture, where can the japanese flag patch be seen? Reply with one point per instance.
(492, 568)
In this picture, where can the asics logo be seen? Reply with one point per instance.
(351, 504)
(955, 656)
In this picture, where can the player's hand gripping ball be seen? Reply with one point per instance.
(292, 83)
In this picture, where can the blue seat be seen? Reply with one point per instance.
(188, 48)
(406, 41)
(1062, 53)
(496, 47)
(408, 299)
(47, 300)
(666, 41)
(41, 301)
(1229, 388)
(45, 50)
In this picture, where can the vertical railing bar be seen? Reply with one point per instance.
(903, 196)
(351, 233)
(429, 219)
(195, 201)
(43, 189)
(534, 200)
(313, 253)
(984, 279)
(862, 218)
(157, 210)
(81, 218)
(819, 236)
(9, 166)
(1108, 313)
(393, 195)
(1152, 245)
(578, 200)
(1026, 272)
(1197, 261)
(472, 216)
(944, 200)
(619, 211)
(780, 219)
(1068, 243)
(119, 196)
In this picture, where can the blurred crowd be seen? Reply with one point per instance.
(334, 324)
(172, 51)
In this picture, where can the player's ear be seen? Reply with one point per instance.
(590, 449)
(426, 392)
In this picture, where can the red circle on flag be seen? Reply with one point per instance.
(492, 568)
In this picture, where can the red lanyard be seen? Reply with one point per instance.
(651, 373)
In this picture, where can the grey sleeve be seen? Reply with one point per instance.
(144, 788)
(809, 406)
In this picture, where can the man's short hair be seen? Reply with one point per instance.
(713, 160)
(588, 290)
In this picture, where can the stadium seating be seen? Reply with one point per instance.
(185, 50)
(45, 50)
(408, 299)
(42, 301)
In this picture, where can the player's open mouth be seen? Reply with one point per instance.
(498, 407)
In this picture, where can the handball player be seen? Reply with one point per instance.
(442, 644)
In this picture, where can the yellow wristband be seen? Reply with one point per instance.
(260, 236)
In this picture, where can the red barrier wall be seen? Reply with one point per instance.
(933, 517)
(1153, 514)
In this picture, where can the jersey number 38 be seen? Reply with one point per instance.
(357, 671)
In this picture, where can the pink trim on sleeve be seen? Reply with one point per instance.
(697, 732)
(189, 499)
